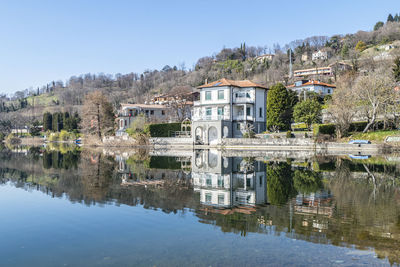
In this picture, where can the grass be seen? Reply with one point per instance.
(377, 136)
(42, 100)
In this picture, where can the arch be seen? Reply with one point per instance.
(198, 133)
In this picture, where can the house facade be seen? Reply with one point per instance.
(226, 109)
(320, 55)
(152, 113)
(224, 182)
(318, 87)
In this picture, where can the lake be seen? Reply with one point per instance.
(76, 207)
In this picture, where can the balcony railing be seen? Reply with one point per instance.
(210, 117)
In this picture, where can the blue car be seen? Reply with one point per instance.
(359, 142)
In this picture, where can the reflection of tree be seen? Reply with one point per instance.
(306, 181)
(280, 183)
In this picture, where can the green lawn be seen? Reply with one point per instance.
(377, 136)
(42, 100)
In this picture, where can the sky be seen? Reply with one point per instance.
(42, 41)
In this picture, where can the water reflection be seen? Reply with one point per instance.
(323, 200)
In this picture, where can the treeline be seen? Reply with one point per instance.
(61, 121)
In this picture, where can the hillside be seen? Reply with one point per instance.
(242, 62)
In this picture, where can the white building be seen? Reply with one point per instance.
(128, 112)
(226, 108)
(320, 54)
(318, 87)
(224, 182)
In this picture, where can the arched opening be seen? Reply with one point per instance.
(212, 135)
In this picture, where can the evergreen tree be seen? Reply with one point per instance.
(345, 51)
(396, 69)
(280, 183)
(378, 25)
(278, 108)
(308, 111)
(396, 18)
(390, 18)
(57, 121)
(47, 121)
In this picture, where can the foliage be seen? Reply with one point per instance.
(289, 134)
(378, 25)
(280, 183)
(47, 121)
(306, 181)
(308, 111)
(163, 162)
(377, 136)
(361, 46)
(324, 129)
(279, 108)
(396, 69)
(35, 129)
(162, 129)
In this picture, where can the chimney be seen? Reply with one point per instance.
(206, 81)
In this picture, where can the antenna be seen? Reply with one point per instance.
(290, 64)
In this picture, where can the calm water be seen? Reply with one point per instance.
(86, 208)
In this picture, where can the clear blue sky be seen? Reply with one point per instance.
(50, 40)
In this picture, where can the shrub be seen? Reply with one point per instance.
(326, 129)
(162, 129)
(289, 134)
(66, 136)
(54, 137)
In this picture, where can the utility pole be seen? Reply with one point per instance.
(290, 63)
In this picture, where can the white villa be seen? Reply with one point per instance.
(227, 182)
(318, 87)
(226, 108)
(320, 54)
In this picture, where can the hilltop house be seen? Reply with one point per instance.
(226, 109)
(266, 57)
(321, 54)
(318, 87)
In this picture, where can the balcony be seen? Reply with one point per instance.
(241, 117)
(210, 117)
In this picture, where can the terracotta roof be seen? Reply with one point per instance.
(226, 82)
(142, 106)
(312, 82)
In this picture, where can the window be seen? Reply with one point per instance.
(208, 111)
(221, 199)
(329, 91)
(126, 123)
(220, 181)
(260, 178)
(147, 112)
(248, 182)
(221, 94)
(163, 112)
(220, 111)
(247, 94)
(208, 197)
(238, 126)
(260, 111)
(208, 95)
(151, 112)
(248, 111)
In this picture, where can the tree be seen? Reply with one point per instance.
(345, 51)
(47, 121)
(341, 107)
(378, 25)
(97, 115)
(280, 183)
(373, 92)
(396, 69)
(308, 111)
(390, 18)
(361, 46)
(57, 121)
(279, 109)
(306, 181)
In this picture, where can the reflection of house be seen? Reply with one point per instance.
(227, 182)
(321, 54)
(226, 108)
(318, 87)
(314, 203)
(153, 113)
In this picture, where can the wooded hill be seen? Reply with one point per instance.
(362, 50)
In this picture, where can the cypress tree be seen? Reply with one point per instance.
(396, 69)
(47, 121)
(279, 105)
(390, 18)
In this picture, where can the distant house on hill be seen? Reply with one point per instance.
(329, 70)
(321, 55)
(318, 87)
(266, 57)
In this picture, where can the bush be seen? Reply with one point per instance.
(66, 136)
(162, 129)
(54, 137)
(289, 134)
(326, 129)
(357, 126)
